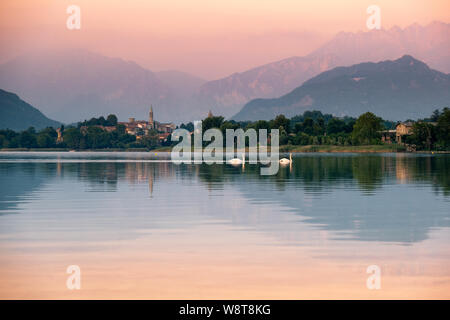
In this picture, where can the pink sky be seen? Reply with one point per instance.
(209, 38)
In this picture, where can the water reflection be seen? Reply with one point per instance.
(392, 198)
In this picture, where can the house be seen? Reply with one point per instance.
(403, 129)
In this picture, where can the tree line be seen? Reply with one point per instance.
(315, 128)
(89, 134)
(431, 133)
(310, 128)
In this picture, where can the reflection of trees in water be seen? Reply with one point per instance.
(368, 171)
(425, 169)
(440, 174)
(99, 176)
(311, 172)
(315, 173)
(103, 174)
(380, 217)
(106, 175)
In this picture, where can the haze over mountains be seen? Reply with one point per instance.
(395, 90)
(75, 85)
(430, 44)
(16, 114)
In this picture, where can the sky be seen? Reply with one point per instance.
(208, 38)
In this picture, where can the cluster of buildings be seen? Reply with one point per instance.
(401, 130)
(142, 128)
(138, 128)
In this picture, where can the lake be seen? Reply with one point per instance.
(140, 226)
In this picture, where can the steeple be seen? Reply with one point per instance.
(150, 117)
(210, 115)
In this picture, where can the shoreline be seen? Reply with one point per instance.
(282, 149)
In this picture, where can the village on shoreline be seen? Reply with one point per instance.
(310, 132)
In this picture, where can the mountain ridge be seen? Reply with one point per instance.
(16, 114)
(73, 85)
(430, 43)
(396, 90)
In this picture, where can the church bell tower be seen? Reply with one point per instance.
(151, 123)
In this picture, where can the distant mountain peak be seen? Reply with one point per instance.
(75, 84)
(410, 60)
(393, 89)
(429, 43)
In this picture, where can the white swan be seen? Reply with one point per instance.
(286, 161)
(237, 161)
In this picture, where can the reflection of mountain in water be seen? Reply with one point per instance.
(362, 197)
(19, 181)
(359, 197)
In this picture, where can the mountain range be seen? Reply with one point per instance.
(16, 114)
(430, 44)
(395, 90)
(75, 85)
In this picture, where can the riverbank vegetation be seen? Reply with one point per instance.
(310, 132)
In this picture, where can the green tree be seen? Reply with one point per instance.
(111, 120)
(212, 122)
(27, 139)
(308, 126)
(281, 122)
(435, 116)
(367, 129)
(14, 142)
(44, 140)
(319, 127)
(97, 138)
(335, 125)
(423, 135)
(262, 124)
(72, 138)
(189, 126)
(50, 131)
(443, 129)
(3, 141)
(302, 139)
(228, 125)
(120, 129)
(102, 121)
(151, 141)
(349, 123)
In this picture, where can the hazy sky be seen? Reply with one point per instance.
(209, 38)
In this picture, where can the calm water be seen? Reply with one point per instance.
(140, 226)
